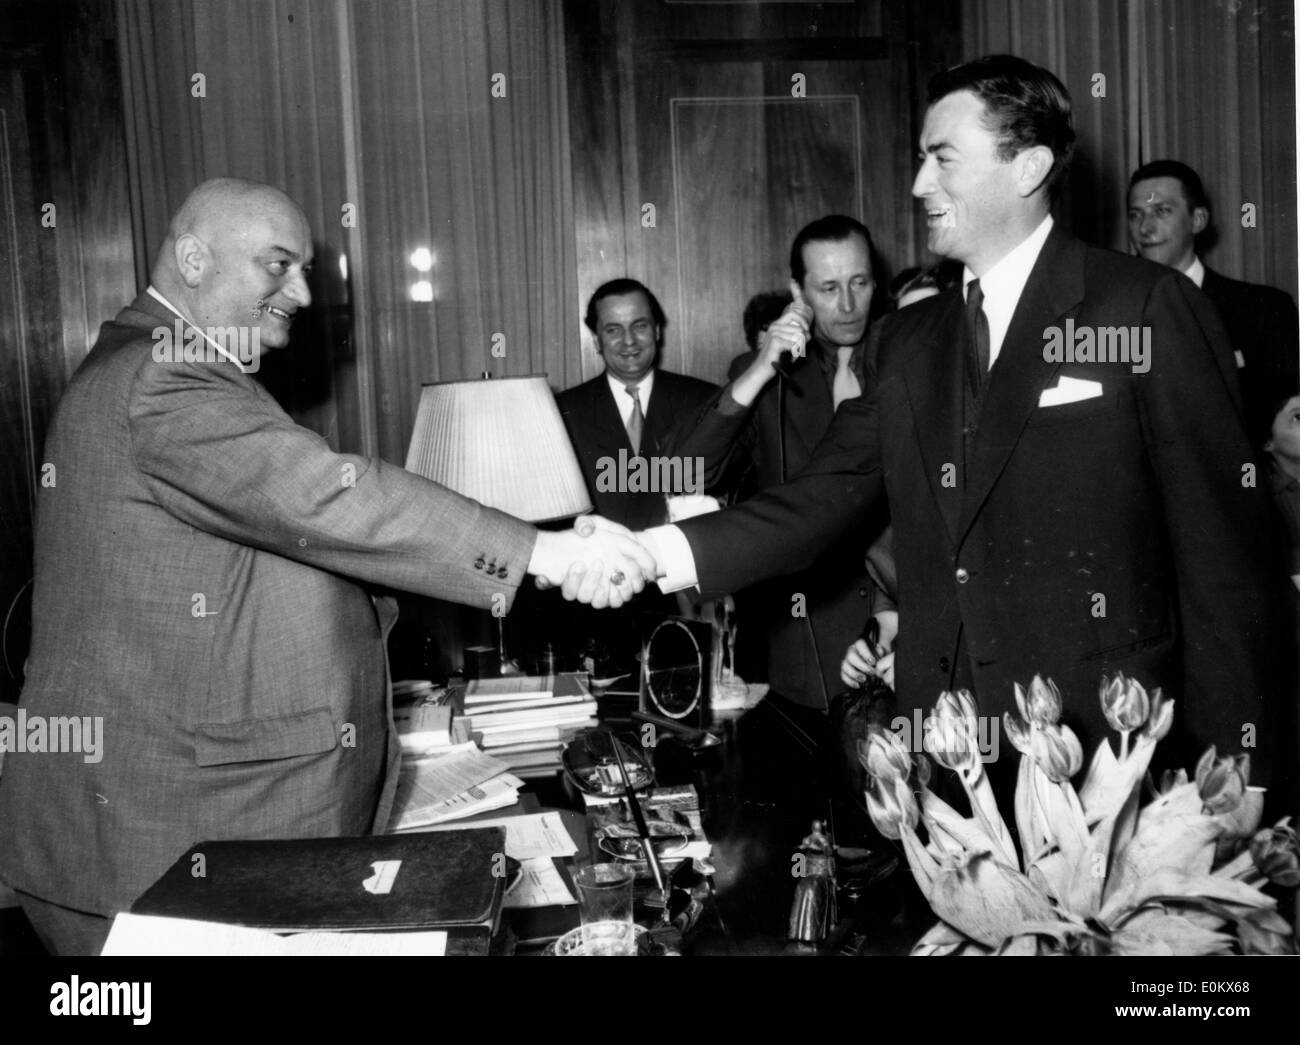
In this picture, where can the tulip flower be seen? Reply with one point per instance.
(1221, 782)
(1160, 718)
(1056, 749)
(1126, 706)
(951, 733)
(1276, 852)
(1170, 780)
(1041, 706)
(884, 755)
(892, 806)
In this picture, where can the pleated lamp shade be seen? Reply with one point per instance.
(500, 441)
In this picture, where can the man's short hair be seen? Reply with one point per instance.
(1025, 105)
(834, 228)
(1190, 180)
(762, 311)
(618, 287)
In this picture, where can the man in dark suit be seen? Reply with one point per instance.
(633, 409)
(200, 562)
(766, 423)
(1054, 513)
(624, 425)
(1167, 210)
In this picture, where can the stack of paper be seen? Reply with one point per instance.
(459, 782)
(526, 720)
(536, 841)
(138, 935)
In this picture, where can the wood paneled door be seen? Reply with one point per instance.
(706, 135)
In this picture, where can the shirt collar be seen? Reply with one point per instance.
(643, 389)
(1195, 271)
(1005, 282)
(220, 349)
(828, 357)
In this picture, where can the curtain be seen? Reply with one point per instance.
(443, 215)
(1211, 84)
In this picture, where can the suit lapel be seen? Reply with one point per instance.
(660, 414)
(1020, 374)
(605, 420)
(808, 405)
(934, 376)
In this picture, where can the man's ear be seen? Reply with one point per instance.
(1035, 164)
(191, 255)
(1200, 219)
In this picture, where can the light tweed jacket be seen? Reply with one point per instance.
(198, 568)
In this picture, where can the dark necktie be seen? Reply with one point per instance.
(977, 338)
(635, 423)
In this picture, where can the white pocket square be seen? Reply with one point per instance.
(1070, 390)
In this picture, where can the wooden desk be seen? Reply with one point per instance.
(776, 772)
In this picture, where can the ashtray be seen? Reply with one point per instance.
(602, 939)
(667, 839)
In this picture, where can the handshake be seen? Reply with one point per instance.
(597, 562)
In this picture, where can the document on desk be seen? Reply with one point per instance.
(530, 837)
(540, 885)
(426, 783)
(142, 935)
(497, 793)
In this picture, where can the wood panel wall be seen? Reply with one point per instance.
(62, 272)
(692, 109)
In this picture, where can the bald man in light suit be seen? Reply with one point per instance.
(200, 564)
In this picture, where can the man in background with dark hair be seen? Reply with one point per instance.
(762, 428)
(1055, 513)
(634, 406)
(1167, 210)
(632, 410)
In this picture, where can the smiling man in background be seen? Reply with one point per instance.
(1167, 210)
(200, 562)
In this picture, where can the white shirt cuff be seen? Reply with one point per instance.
(672, 551)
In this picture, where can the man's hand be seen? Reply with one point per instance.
(789, 333)
(860, 660)
(597, 562)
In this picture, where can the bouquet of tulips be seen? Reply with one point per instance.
(1096, 871)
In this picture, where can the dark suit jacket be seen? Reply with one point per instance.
(197, 569)
(597, 433)
(1135, 495)
(837, 588)
(1263, 326)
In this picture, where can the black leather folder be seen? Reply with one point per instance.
(443, 880)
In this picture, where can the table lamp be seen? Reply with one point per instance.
(502, 442)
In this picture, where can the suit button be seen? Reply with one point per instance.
(944, 664)
(962, 575)
(862, 593)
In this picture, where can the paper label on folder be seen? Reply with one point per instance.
(381, 882)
